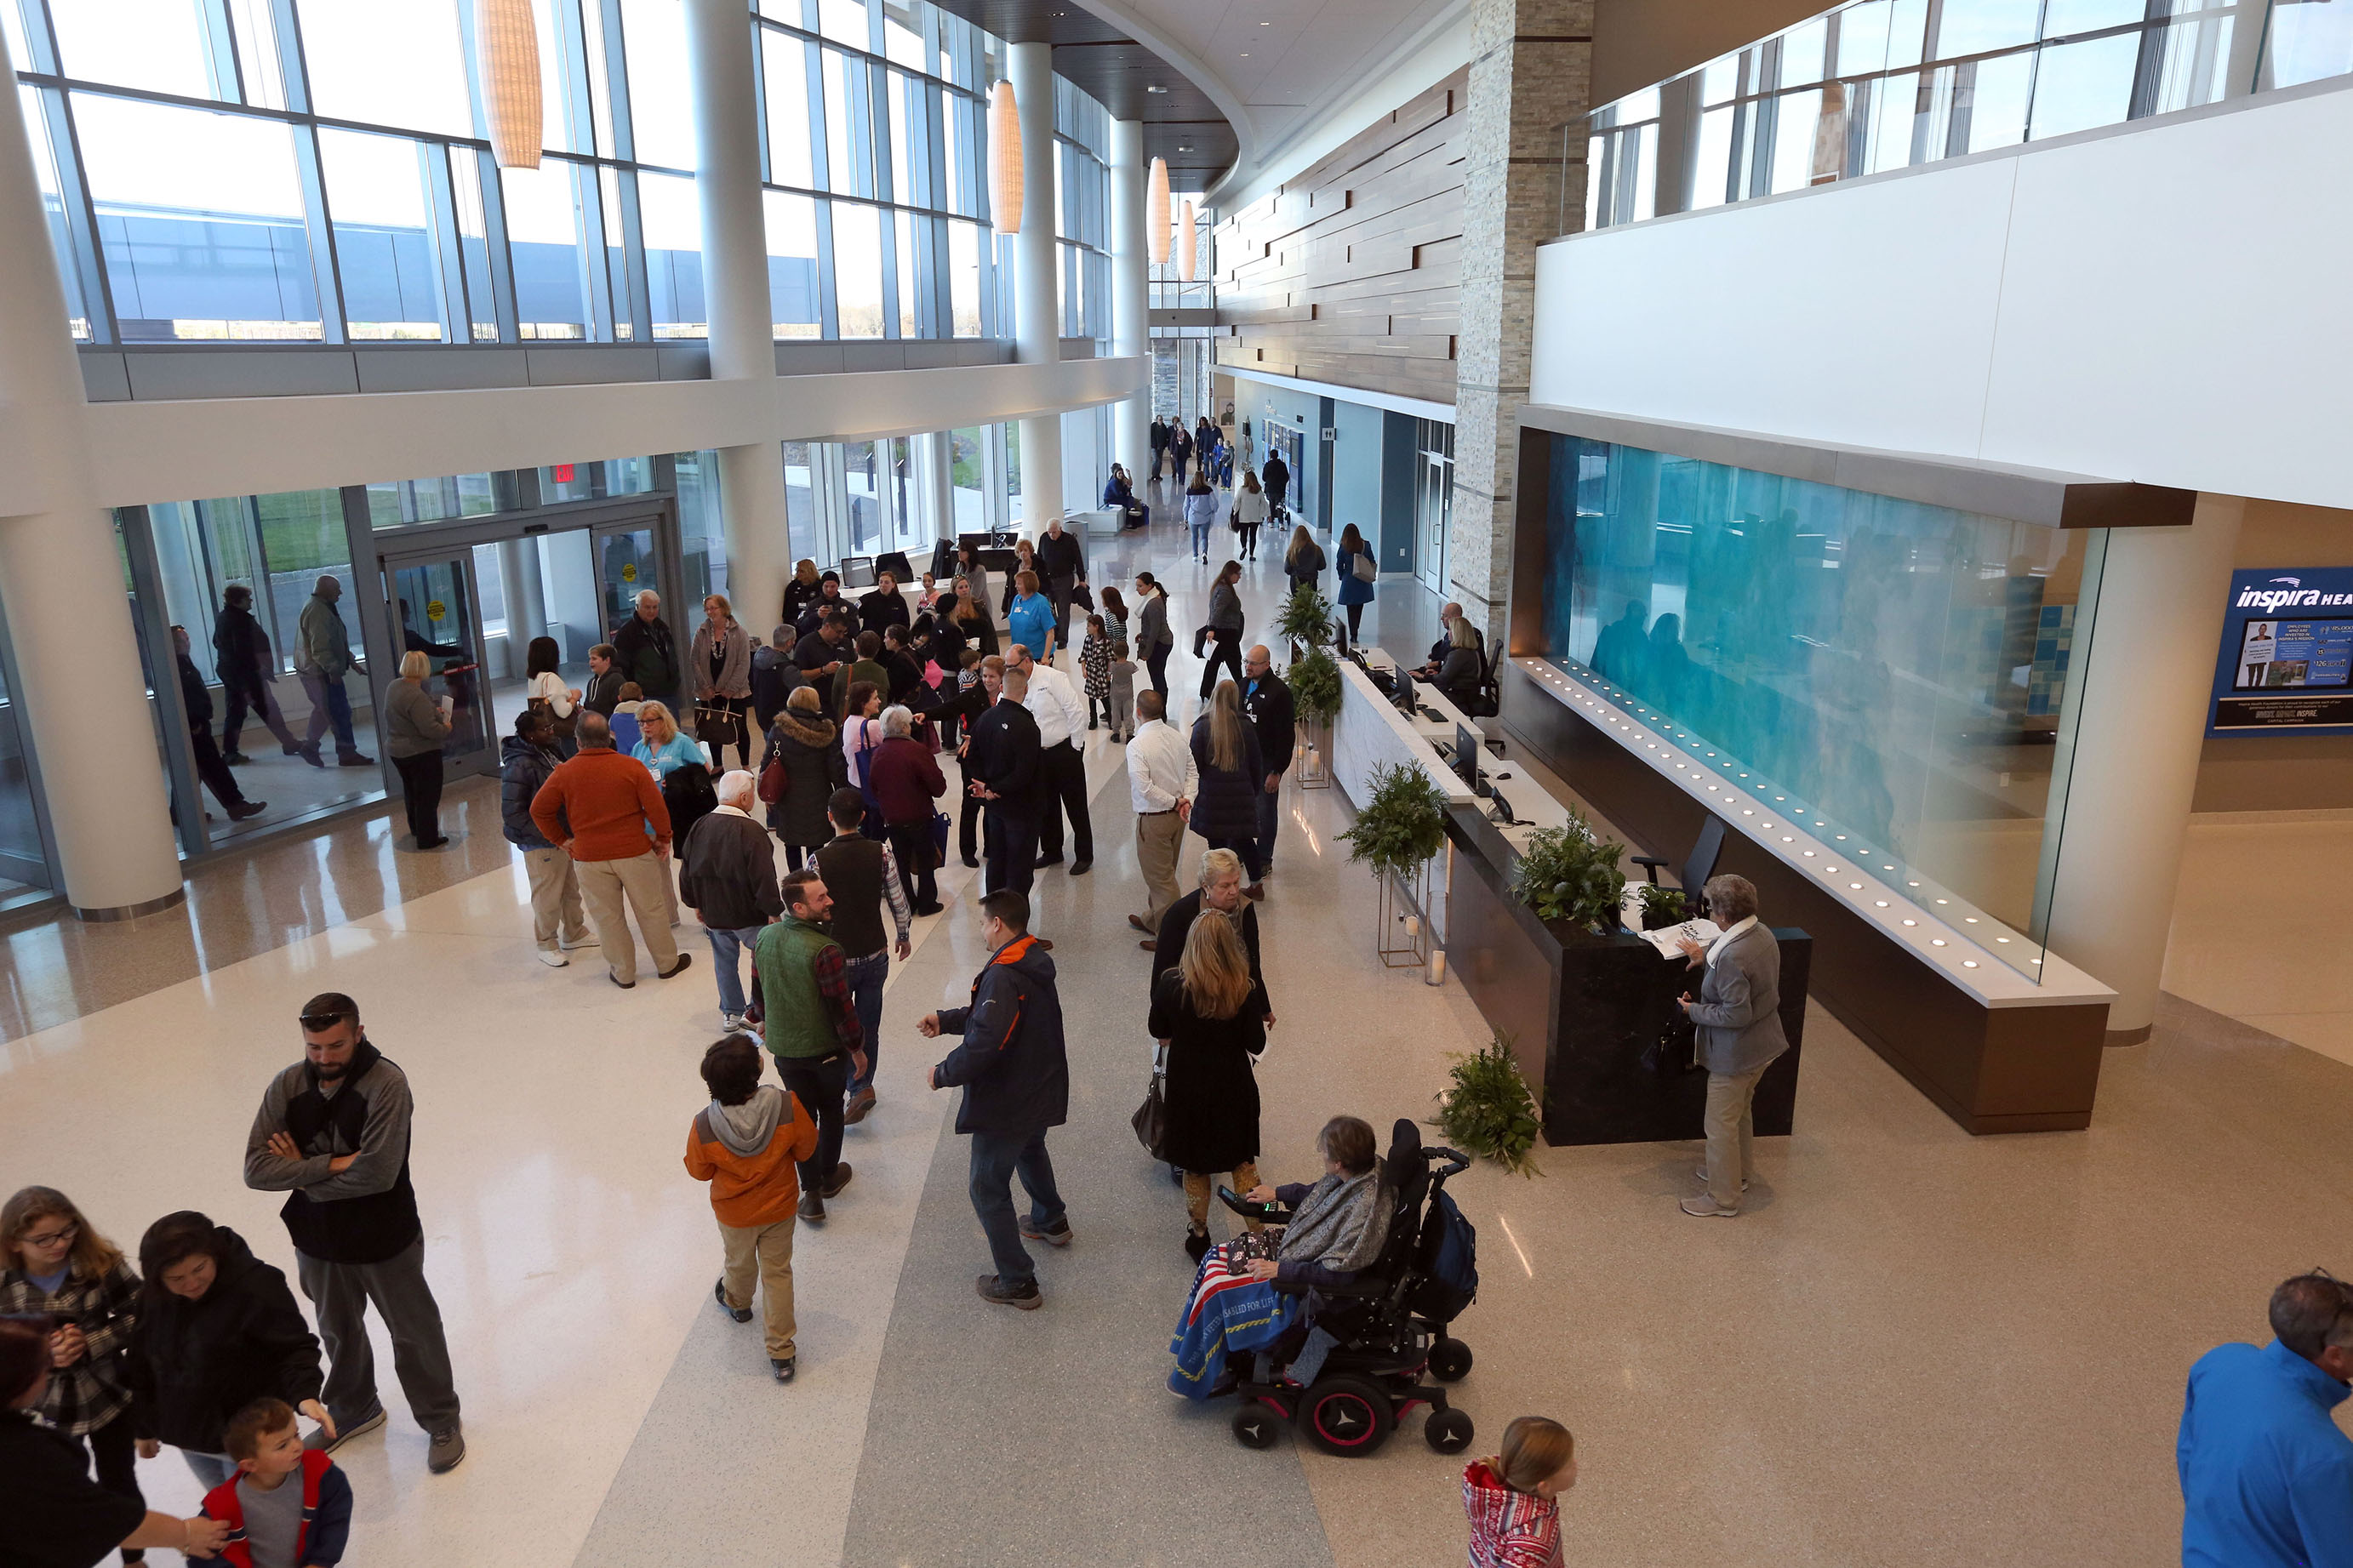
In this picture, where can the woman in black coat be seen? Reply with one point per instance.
(808, 744)
(1213, 1016)
(1225, 812)
(217, 1330)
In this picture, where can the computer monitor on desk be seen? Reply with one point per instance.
(857, 572)
(894, 562)
(1466, 755)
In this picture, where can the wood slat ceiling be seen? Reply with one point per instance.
(1180, 124)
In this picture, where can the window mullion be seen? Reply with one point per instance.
(293, 74)
(500, 257)
(617, 77)
(448, 247)
(79, 211)
(320, 223)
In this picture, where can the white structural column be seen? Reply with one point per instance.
(1131, 297)
(735, 297)
(2129, 773)
(81, 699)
(1038, 317)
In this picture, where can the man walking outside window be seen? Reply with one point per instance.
(242, 659)
(861, 875)
(2266, 1474)
(729, 879)
(1016, 1084)
(811, 1024)
(322, 661)
(605, 811)
(332, 1134)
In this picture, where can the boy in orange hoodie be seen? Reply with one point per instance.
(747, 1143)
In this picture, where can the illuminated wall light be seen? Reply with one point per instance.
(1786, 839)
(1856, 887)
(507, 43)
(1968, 920)
(1968, 964)
(1944, 900)
(1004, 158)
(2002, 939)
(1911, 884)
(1155, 214)
(1935, 942)
(1881, 903)
(1809, 853)
(1189, 240)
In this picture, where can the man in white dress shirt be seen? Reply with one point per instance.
(1162, 779)
(1062, 717)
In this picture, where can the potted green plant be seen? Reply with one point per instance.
(1305, 620)
(1488, 1109)
(1663, 907)
(1401, 824)
(1569, 875)
(1314, 682)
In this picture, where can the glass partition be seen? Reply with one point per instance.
(1890, 676)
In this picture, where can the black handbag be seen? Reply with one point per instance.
(1200, 640)
(1151, 1121)
(717, 727)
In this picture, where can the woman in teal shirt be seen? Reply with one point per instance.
(662, 748)
(1031, 618)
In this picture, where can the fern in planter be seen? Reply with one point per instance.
(1401, 825)
(1662, 907)
(1306, 617)
(1488, 1110)
(1314, 683)
(1570, 874)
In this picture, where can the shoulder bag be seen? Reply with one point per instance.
(1361, 567)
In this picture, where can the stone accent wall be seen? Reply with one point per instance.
(1530, 74)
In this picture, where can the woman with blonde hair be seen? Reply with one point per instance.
(1513, 1498)
(801, 592)
(661, 746)
(54, 1264)
(1213, 1016)
(414, 732)
(1225, 807)
(719, 666)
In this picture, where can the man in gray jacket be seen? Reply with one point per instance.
(323, 658)
(1738, 1018)
(728, 877)
(333, 1136)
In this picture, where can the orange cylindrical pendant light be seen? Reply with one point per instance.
(1155, 212)
(508, 46)
(1004, 158)
(1188, 242)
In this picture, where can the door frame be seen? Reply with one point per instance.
(487, 762)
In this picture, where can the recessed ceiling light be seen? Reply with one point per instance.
(1151, 88)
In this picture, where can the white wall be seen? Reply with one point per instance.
(2165, 303)
(144, 452)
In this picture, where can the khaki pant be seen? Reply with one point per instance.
(1731, 1134)
(1196, 1196)
(554, 897)
(1157, 841)
(770, 1249)
(603, 885)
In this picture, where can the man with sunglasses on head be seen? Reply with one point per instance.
(332, 1134)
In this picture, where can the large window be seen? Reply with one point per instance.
(319, 171)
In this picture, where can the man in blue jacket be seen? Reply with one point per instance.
(2266, 1476)
(1016, 1084)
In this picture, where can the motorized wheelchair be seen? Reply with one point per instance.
(1390, 1322)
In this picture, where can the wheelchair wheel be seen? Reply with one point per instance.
(1256, 1427)
(1346, 1415)
(1449, 1359)
(1448, 1431)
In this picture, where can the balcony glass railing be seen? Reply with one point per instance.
(1890, 84)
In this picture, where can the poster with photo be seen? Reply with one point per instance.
(2286, 659)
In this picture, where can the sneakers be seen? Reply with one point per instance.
(860, 1104)
(812, 1209)
(1705, 1207)
(447, 1448)
(685, 961)
(719, 1294)
(1025, 1297)
(554, 959)
(732, 1022)
(1701, 1174)
(840, 1179)
(359, 1428)
(783, 1369)
(1058, 1237)
(570, 943)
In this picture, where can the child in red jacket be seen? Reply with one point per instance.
(288, 1506)
(747, 1143)
(1513, 1498)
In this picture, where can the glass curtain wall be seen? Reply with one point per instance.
(1891, 676)
(319, 170)
(1887, 84)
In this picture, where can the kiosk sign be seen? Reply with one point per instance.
(2286, 659)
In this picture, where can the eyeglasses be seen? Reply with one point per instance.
(55, 1237)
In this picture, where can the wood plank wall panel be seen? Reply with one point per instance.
(1352, 272)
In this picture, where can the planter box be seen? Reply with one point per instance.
(1589, 1015)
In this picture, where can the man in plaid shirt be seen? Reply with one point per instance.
(811, 1019)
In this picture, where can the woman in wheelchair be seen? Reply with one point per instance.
(1337, 1224)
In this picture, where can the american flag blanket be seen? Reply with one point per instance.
(1227, 1311)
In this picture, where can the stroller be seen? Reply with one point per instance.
(1390, 1323)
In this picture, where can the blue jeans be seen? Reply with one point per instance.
(724, 946)
(866, 976)
(1200, 539)
(210, 1470)
(330, 704)
(995, 1158)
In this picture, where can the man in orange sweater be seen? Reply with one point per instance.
(746, 1144)
(605, 811)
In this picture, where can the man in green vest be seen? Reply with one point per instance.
(811, 1024)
